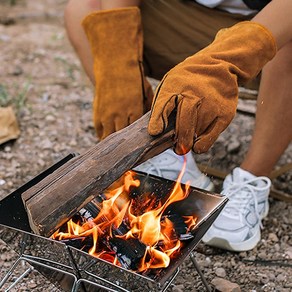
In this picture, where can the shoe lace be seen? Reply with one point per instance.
(242, 194)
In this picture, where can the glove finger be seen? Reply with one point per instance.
(203, 143)
(108, 128)
(163, 104)
(209, 112)
(134, 117)
(186, 121)
(159, 116)
(121, 123)
(98, 127)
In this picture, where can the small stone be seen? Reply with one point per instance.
(50, 118)
(277, 247)
(178, 288)
(288, 253)
(41, 162)
(281, 278)
(32, 285)
(233, 147)
(7, 148)
(223, 285)
(73, 142)
(220, 154)
(273, 237)
(4, 37)
(46, 144)
(17, 70)
(264, 279)
(220, 272)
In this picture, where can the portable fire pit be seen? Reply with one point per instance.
(69, 263)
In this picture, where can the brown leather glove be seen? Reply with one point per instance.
(203, 89)
(116, 41)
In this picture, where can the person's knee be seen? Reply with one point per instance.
(80, 7)
(286, 57)
(76, 9)
(282, 62)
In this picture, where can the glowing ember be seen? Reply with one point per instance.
(136, 232)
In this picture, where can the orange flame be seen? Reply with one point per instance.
(152, 229)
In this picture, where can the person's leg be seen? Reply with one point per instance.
(74, 13)
(273, 128)
(248, 187)
(174, 30)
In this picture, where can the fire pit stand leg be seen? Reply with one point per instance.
(9, 273)
(171, 280)
(24, 274)
(31, 261)
(192, 256)
(83, 281)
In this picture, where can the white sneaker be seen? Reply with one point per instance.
(169, 165)
(238, 227)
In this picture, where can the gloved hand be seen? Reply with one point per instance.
(203, 89)
(121, 90)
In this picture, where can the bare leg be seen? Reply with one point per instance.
(75, 11)
(273, 129)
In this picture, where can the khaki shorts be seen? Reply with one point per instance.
(176, 29)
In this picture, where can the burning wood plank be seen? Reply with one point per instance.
(60, 195)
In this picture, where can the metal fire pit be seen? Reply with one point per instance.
(71, 269)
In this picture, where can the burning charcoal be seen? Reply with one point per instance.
(122, 230)
(79, 242)
(181, 228)
(129, 251)
(89, 212)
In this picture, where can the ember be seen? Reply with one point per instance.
(139, 232)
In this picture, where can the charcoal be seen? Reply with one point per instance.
(121, 230)
(180, 227)
(79, 242)
(128, 251)
(89, 212)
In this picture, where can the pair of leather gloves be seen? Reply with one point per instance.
(203, 89)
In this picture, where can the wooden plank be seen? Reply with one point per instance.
(59, 196)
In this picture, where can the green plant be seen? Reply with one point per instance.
(13, 2)
(3, 96)
(18, 99)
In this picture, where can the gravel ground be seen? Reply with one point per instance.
(42, 78)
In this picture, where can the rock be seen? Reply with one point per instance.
(223, 285)
(288, 253)
(233, 147)
(32, 285)
(281, 278)
(264, 279)
(17, 70)
(220, 272)
(50, 118)
(46, 144)
(178, 288)
(273, 237)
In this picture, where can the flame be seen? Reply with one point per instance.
(146, 222)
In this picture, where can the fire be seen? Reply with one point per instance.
(138, 234)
